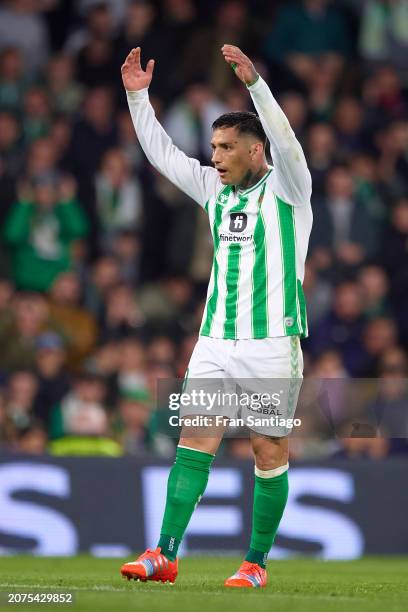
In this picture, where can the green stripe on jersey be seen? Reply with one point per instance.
(212, 301)
(291, 321)
(231, 301)
(232, 280)
(302, 307)
(260, 278)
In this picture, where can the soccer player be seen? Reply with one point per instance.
(260, 218)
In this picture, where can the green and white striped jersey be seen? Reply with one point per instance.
(260, 234)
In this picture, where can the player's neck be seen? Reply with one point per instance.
(252, 177)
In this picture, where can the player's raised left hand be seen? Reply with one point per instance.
(244, 68)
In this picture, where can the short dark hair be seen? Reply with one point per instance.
(245, 122)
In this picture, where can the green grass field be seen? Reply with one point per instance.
(367, 585)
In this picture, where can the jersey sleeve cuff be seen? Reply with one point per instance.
(259, 83)
(138, 96)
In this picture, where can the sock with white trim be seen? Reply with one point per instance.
(270, 497)
(186, 484)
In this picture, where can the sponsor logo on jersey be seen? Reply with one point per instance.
(238, 222)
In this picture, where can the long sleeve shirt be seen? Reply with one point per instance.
(260, 234)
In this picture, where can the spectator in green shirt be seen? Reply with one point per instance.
(40, 230)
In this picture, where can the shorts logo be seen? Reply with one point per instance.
(238, 222)
(289, 321)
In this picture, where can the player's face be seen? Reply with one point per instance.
(232, 155)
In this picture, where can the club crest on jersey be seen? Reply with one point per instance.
(238, 222)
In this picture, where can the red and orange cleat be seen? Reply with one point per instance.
(249, 575)
(152, 565)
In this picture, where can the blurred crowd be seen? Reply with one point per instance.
(104, 264)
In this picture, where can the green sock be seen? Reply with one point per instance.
(186, 484)
(270, 497)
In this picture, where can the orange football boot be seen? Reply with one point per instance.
(152, 565)
(250, 575)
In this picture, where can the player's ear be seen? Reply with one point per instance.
(256, 149)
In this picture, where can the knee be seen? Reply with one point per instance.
(269, 456)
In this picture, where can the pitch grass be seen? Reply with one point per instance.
(366, 585)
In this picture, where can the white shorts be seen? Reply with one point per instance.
(271, 367)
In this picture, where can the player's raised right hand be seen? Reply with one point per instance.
(133, 77)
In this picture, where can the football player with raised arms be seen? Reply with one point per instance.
(255, 314)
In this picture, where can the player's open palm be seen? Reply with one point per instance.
(133, 77)
(242, 65)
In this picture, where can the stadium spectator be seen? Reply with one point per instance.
(342, 328)
(77, 325)
(384, 93)
(394, 256)
(380, 334)
(36, 113)
(126, 249)
(168, 305)
(348, 123)
(80, 422)
(318, 292)
(375, 286)
(161, 350)
(12, 81)
(133, 427)
(6, 310)
(41, 228)
(22, 26)
(308, 37)
(103, 276)
(24, 323)
(11, 154)
(60, 139)
(233, 22)
(344, 234)
(127, 141)
(96, 62)
(137, 261)
(7, 429)
(92, 136)
(390, 407)
(180, 22)
(41, 159)
(383, 32)
(21, 391)
(188, 121)
(367, 187)
(295, 107)
(185, 352)
(122, 316)
(392, 163)
(132, 369)
(98, 25)
(118, 197)
(141, 28)
(356, 447)
(64, 91)
(31, 439)
(52, 376)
